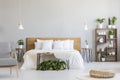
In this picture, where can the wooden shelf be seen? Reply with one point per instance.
(101, 43)
(111, 47)
(101, 35)
(107, 49)
(111, 39)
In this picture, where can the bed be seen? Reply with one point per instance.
(74, 56)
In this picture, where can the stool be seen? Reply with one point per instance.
(101, 73)
(87, 54)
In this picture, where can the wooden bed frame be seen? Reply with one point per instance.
(30, 42)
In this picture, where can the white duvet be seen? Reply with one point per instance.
(75, 58)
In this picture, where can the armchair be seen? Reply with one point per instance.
(6, 60)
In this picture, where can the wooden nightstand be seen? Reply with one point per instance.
(20, 53)
(87, 54)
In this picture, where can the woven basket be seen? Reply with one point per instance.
(101, 73)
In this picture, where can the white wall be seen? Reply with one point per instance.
(54, 18)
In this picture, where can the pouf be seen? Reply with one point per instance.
(101, 73)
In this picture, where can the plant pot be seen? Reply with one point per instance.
(100, 25)
(103, 59)
(109, 26)
(20, 46)
(114, 26)
(86, 46)
(111, 36)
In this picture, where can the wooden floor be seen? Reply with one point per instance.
(73, 74)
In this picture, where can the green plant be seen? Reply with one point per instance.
(109, 21)
(100, 20)
(111, 32)
(52, 65)
(20, 42)
(114, 19)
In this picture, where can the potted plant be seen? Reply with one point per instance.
(100, 21)
(86, 44)
(111, 34)
(52, 65)
(20, 43)
(109, 23)
(114, 19)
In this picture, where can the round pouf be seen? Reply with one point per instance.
(102, 73)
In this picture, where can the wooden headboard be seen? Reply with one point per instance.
(30, 42)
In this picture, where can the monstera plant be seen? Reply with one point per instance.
(52, 65)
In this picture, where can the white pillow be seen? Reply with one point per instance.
(47, 45)
(38, 45)
(68, 44)
(58, 45)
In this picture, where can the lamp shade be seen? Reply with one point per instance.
(20, 27)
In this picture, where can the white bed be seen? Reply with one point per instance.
(75, 59)
(73, 55)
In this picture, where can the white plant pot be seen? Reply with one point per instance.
(100, 25)
(111, 36)
(109, 26)
(86, 46)
(20, 46)
(114, 26)
(103, 59)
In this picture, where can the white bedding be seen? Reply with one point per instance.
(75, 58)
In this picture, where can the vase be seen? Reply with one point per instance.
(100, 25)
(109, 26)
(103, 59)
(86, 46)
(111, 36)
(20, 46)
(114, 26)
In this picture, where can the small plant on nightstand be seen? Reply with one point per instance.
(20, 43)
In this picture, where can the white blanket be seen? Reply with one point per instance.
(74, 57)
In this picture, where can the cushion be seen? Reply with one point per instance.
(102, 73)
(8, 62)
(47, 45)
(43, 44)
(4, 49)
(68, 44)
(38, 45)
(58, 45)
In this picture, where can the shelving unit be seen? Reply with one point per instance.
(106, 48)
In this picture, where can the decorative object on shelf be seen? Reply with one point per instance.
(102, 58)
(52, 65)
(113, 53)
(114, 19)
(100, 21)
(20, 43)
(86, 44)
(99, 57)
(111, 34)
(109, 23)
(101, 40)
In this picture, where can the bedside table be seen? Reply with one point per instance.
(87, 54)
(20, 53)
